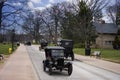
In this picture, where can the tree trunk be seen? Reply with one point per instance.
(1, 6)
(56, 33)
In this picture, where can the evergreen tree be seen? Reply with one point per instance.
(116, 43)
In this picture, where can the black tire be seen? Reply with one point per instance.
(72, 57)
(50, 70)
(61, 70)
(70, 68)
(44, 66)
(66, 55)
(40, 48)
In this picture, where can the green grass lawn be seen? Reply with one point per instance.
(107, 54)
(4, 48)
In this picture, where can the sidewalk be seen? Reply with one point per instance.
(18, 66)
(110, 66)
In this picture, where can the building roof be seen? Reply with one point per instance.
(106, 28)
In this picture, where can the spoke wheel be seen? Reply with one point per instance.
(72, 57)
(70, 68)
(44, 67)
(50, 70)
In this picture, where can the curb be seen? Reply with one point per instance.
(97, 66)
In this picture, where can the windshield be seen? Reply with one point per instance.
(57, 53)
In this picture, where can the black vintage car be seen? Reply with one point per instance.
(43, 45)
(28, 43)
(55, 60)
(68, 45)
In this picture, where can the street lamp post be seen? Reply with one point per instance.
(12, 39)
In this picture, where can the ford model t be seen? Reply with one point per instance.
(43, 45)
(68, 45)
(55, 60)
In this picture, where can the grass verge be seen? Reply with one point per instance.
(4, 50)
(5, 47)
(106, 54)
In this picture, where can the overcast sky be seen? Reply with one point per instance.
(42, 4)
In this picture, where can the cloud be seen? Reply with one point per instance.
(42, 8)
(69, 0)
(48, 5)
(57, 1)
(36, 1)
(39, 8)
(52, 1)
(30, 4)
(17, 4)
(107, 19)
(42, 4)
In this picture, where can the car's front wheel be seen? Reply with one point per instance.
(44, 66)
(70, 68)
(50, 70)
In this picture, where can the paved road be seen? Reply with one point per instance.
(81, 71)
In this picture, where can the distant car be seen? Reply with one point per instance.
(28, 43)
(18, 43)
(43, 45)
(55, 60)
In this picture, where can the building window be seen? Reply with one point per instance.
(108, 42)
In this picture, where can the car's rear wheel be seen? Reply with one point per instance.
(61, 70)
(50, 70)
(44, 67)
(72, 57)
(70, 68)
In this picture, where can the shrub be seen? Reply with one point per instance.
(116, 42)
(79, 45)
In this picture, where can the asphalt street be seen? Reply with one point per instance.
(81, 70)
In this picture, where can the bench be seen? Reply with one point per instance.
(1, 56)
(97, 54)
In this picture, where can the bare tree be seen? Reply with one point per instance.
(1, 7)
(113, 12)
(48, 30)
(55, 18)
(118, 12)
(11, 15)
(11, 12)
(33, 25)
(51, 19)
